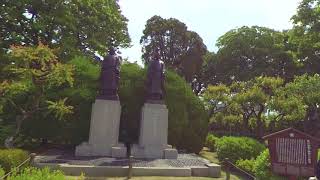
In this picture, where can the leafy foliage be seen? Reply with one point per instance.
(67, 25)
(246, 164)
(298, 102)
(211, 142)
(180, 49)
(305, 35)
(248, 52)
(5, 131)
(242, 104)
(34, 72)
(235, 148)
(74, 128)
(262, 167)
(31, 173)
(2, 173)
(10, 158)
(259, 167)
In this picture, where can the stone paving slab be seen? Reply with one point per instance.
(67, 157)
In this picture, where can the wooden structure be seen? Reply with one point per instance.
(293, 153)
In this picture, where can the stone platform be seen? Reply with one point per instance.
(104, 130)
(154, 134)
(184, 165)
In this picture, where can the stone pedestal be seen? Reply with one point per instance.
(154, 134)
(104, 131)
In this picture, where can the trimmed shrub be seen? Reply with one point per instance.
(246, 164)
(31, 173)
(10, 158)
(2, 173)
(236, 148)
(262, 167)
(211, 142)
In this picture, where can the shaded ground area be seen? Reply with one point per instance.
(67, 157)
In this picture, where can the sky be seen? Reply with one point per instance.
(209, 18)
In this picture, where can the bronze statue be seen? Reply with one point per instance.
(109, 77)
(155, 81)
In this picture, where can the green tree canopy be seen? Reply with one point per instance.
(242, 104)
(35, 71)
(305, 35)
(179, 48)
(297, 104)
(247, 52)
(72, 26)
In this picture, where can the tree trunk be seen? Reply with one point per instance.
(245, 128)
(260, 127)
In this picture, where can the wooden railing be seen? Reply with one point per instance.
(230, 166)
(29, 160)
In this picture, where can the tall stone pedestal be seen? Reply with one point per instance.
(104, 131)
(154, 134)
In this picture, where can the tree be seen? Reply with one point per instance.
(34, 72)
(73, 26)
(242, 104)
(297, 104)
(305, 35)
(247, 52)
(179, 48)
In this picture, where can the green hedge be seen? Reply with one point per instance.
(31, 173)
(211, 142)
(262, 167)
(2, 173)
(259, 167)
(10, 158)
(246, 164)
(235, 148)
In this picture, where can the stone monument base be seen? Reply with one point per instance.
(86, 149)
(153, 152)
(104, 130)
(154, 134)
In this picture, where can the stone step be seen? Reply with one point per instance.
(210, 170)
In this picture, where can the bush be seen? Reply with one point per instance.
(211, 142)
(236, 148)
(259, 167)
(188, 121)
(32, 173)
(246, 164)
(10, 158)
(262, 167)
(5, 132)
(2, 173)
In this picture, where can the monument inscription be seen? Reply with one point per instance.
(292, 153)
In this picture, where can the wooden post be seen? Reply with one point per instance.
(226, 163)
(130, 167)
(32, 156)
